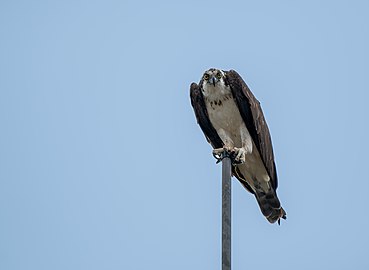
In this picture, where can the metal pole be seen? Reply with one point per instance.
(226, 213)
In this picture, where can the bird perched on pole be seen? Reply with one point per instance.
(232, 120)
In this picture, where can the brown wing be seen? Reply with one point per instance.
(255, 122)
(198, 104)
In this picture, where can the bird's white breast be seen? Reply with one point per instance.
(223, 112)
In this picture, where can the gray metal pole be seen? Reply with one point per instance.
(226, 213)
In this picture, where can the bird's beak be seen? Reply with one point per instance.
(212, 80)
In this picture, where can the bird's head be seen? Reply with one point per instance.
(213, 83)
(213, 77)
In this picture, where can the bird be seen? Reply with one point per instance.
(232, 120)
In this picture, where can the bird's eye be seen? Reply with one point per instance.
(219, 75)
(206, 77)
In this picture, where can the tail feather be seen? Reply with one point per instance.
(270, 206)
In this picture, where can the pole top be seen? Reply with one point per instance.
(222, 153)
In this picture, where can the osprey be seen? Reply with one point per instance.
(232, 120)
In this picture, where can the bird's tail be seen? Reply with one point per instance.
(270, 205)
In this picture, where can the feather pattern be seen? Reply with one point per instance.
(253, 117)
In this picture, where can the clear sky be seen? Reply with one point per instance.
(102, 164)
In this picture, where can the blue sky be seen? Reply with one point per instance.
(102, 164)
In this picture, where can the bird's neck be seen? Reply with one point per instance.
(217, 92)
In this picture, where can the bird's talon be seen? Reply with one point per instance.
(221, 153)
(240, 155)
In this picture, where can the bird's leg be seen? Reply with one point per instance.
(246, 145)
(227, 149)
